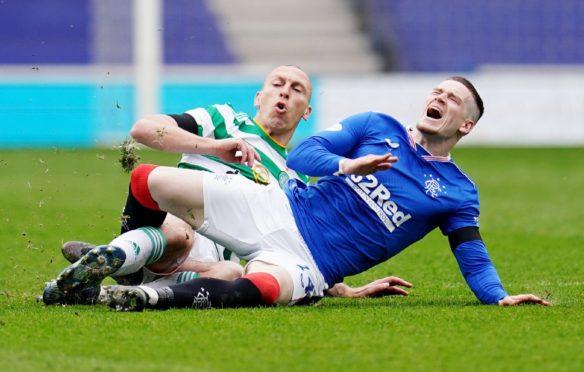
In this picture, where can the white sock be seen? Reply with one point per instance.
(152, 294)
(142, 246)
(176, 278)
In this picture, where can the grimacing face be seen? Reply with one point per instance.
(449, 111)
(284, 100)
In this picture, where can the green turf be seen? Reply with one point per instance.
(532, 221)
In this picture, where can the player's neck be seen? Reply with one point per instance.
(281, 139)
(436, 146)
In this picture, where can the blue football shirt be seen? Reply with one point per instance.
(351, 223)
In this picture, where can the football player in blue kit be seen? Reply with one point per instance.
(383, 187)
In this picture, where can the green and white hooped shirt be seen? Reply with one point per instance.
(220, 122)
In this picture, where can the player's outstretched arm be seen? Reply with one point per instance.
(523, 299)
(163, 132)
(331, 151)
(367, 164)
(387, 286)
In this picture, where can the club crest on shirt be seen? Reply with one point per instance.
(283, 178)
(433, 187)
(260, 174)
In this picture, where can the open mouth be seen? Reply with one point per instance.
(433, 113)
(281, 107)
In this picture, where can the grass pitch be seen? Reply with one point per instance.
(532, 221)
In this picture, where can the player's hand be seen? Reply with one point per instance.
(378, 288)
(368, 164)
(235, 150)
(523, 299)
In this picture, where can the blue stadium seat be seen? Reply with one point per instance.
(39, 31)
(59, 32)
(191, 34)
(453, 35)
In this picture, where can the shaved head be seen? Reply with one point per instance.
(296, 71)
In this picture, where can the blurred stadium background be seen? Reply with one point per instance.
(77, 73)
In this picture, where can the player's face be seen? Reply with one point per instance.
(284, 100)
(447, 112)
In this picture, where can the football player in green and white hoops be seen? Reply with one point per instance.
(216, 139)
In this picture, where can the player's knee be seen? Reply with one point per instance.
(179, 234)
(282, 276)
(267, 285)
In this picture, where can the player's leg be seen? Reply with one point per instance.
(123, 258)
(272, 278)
(226, 270)
(127, 253)
(177, 234)
(232, 217)
(263, 222)
(253, 289)
(206, 259)
(134, 216)
(230, 196)
(179, 237)
(259, 271)
(176, 191)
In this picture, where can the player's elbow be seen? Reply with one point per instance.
(295, 158)
(292, 161)
(140, 130)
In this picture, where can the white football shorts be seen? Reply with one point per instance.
(256, 223)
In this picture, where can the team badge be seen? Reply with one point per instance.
(283, 178)
(260, 174)
(433, 187)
